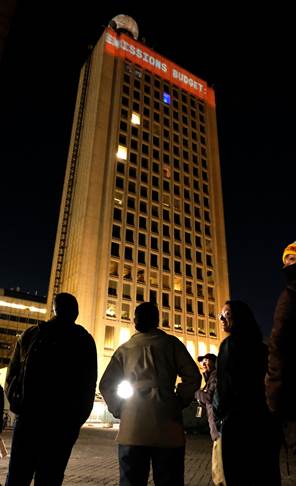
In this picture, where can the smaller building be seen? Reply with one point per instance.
(18, 311)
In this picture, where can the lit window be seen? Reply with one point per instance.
(121, 152)
(178, 322)
(113, 269)
(166, 281)
(201, 327)
(212, 328)
(127, 272)
(213, 349)
(118, 198)
(109, 337)
(136, 119)
(125, 312)
(166, 98)
(189, 324)
(166, 171)
(124, 335)
(177, 283)
(111, 309)
(141, 275)
(154, 279)
(202, 349)
(191, 348)
(126, 291)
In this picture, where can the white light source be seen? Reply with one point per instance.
(125, 389)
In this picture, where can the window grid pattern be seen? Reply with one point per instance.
(162, 215)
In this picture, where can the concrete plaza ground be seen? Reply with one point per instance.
(94, 460)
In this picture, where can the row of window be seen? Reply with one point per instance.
(168, 282)
(154, 85)
(175, 321)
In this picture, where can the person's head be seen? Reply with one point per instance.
(146, 317)
(237, 318)
(208, 362)
(289, 255)
(65, 306)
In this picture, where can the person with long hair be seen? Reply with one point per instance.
(249, 436)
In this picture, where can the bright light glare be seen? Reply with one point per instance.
(31, 308)
(125, 389)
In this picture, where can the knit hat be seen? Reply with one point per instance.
(289, 250)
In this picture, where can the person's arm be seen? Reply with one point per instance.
(109, 382)
(189, 373)
(205, 396)
(13, 370)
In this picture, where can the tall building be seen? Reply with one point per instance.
(142, 213)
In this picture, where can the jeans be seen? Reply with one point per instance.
(167, 465)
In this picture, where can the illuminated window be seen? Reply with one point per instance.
(154, 279)
(126, 291)
(109, 337)
(202, 348)
(124, 335)
(213, 328)
(191, 348)
(178, 322)
(141, 275)
(127, 272)
(212, 310)
(121, 152)
(178, 283)
(211, 294)
(125, 312)
(213, 349)
(111, 309)
(166, 171)
(201, 326)
(166, 98)
(113, 269)
(166, 282)
(118, 198)
(136, 119)
(189, 324)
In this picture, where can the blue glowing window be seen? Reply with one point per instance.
(166, 98)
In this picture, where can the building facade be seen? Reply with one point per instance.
(141, 215)
(18, 311)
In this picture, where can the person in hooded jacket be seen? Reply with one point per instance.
(50, 385)
(249, 435)
(280, 377)
(150, 406)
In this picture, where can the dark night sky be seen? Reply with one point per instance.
(246, 55)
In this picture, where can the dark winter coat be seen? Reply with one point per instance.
(54, 371)
(205, 397)
(280, 378)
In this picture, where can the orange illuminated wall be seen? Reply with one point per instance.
(124, 46)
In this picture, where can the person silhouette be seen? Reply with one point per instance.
(50, 385)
